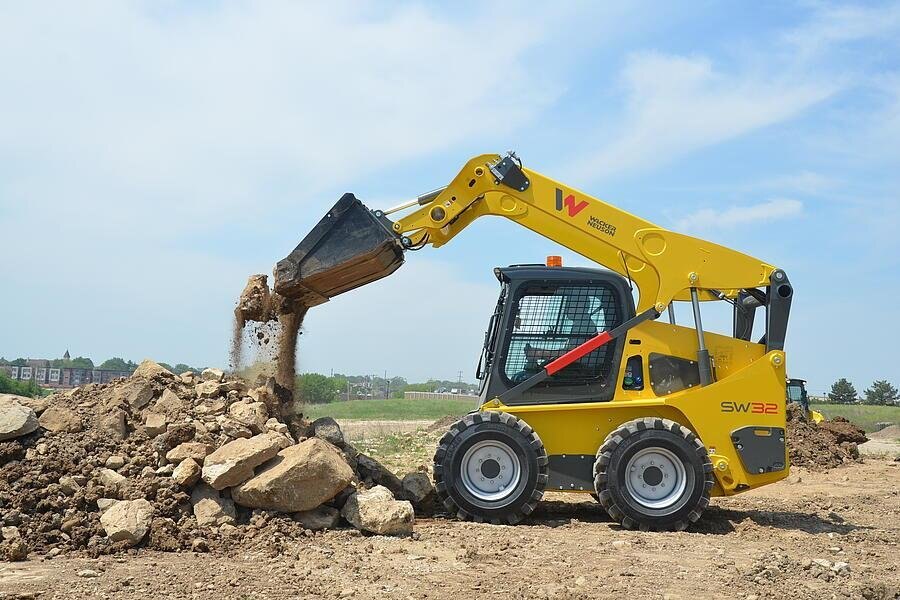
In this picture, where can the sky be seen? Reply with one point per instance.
(154, 154)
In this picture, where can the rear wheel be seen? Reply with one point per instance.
(653, 474)
(490, 466)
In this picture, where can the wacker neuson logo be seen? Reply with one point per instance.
(573, 207)
(569, 203)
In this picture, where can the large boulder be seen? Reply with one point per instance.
(212, 374)
(370, 470)
(174, 435)
(127, 521)
(60, 419)
(377, 511)
(300, 478)
(155, 424)
(170, 405)
(233, 428)
(197, 451)
(15, 419)
(211, 389)
(136, 392)
(251, 414)
(187, 473)
(149, 369)
(113, 424)
(234, 462)
(417, 487)
(38, 405)
(327, 429)
(210, 508)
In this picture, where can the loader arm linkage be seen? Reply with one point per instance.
(665, 265)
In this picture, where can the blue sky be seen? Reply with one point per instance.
(153, 154)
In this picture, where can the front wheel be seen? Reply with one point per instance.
(653, 474)
(490, 466)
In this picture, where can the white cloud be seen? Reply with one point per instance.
(711, 218)
(153, 154)
(678, 104)
(195, 110)
(836, 25)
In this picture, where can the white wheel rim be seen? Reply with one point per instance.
(655, 478)
(490, 470)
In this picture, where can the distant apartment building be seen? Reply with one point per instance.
(43, 373)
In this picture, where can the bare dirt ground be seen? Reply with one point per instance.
(788, 540)
(880, 447)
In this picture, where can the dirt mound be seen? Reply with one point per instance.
(81, 482)
(442, 424)
(891, 432)
(824, 445)
(844, 431)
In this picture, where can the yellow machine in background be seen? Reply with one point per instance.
(581, 390)
(796, 392)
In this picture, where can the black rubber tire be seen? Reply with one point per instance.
(520, 438)
(624, 442)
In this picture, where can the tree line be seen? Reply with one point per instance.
(315, 388)
(20, 388)
(881, 393)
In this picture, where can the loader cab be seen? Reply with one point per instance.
(796, 392)
(542, 313)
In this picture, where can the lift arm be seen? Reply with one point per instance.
(665, 265)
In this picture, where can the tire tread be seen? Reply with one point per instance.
(604, 459)
(531, 440)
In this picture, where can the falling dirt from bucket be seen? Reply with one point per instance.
(274, 324)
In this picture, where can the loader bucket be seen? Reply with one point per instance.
(348, 248)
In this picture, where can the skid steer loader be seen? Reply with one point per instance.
(582, 390)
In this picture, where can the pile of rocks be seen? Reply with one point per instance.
(177, 462)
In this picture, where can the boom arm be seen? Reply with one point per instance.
(665, 265)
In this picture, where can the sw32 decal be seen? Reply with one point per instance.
(759, 408)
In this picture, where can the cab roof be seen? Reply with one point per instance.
(540, 271)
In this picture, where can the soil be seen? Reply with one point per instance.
(761, 544)
(286, 365)
(824, 445)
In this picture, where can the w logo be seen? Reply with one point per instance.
(569, 202)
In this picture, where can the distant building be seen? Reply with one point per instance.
(42, 372)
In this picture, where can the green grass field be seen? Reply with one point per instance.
(420, 410)
(863, 415)
(391, 409)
